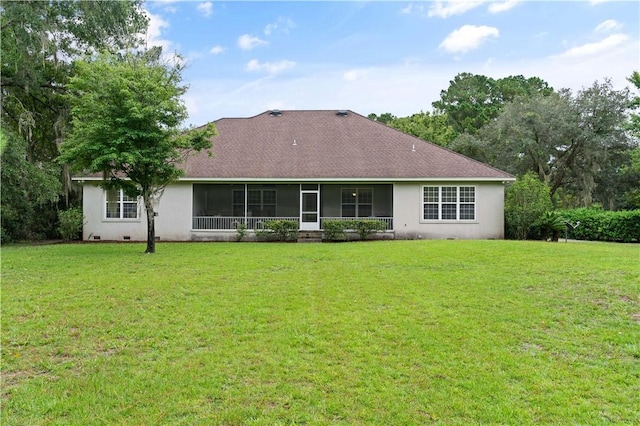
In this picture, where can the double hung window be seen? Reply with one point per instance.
(448, 203)
(357, 202)
(120, 206)
(261, 202)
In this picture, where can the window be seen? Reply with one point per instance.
(357, 202)
(120, 206)
(261, 202)
(449, 203)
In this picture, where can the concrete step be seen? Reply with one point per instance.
(309, 236)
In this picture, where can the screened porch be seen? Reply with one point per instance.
(227, 206)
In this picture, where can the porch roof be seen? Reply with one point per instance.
(326, 145)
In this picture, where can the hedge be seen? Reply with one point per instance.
(601, 225)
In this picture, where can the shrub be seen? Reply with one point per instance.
(550, 226)
(366, 227)
(600, 225)
(526, 203)
(70, 223)
(334, 230)
(280, 230)
(241, 231)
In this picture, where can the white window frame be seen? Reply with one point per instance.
(357, 203)
(448, 202)
(121, 203)
(262, 203)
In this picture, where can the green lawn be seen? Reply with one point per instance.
(395, 332)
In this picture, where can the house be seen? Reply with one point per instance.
(311, 166)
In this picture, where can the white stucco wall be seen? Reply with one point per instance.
(173, 221)
(408, 223)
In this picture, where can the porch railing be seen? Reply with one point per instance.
(232, 222)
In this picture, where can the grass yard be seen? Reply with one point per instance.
(388, 333)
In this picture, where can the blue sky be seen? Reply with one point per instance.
(372, 56)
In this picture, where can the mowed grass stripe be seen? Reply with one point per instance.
(395, 332)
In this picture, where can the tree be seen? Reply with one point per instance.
(424, 125)
(26, 193)
(471, 101)
(385, 118)
(126, 112)
(526, 203)
(631, 171)
(39, 41)
(429, 127)
(575, 144)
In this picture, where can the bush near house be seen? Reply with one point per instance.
(279, 230)
(70, 223)
(335, 230)
(601, 225)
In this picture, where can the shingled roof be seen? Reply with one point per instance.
(326, 144)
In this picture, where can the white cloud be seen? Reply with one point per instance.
(445, 9)
(503, 6)
(467, 37)
(154, 32)
(412, 8)
(354, 75)
(270, 67)
(592, 49)
(248, 42)
(217, 49)
(608, 25)
(205, 8)
(282, 24)
(595, 2)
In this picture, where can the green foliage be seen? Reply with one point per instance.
(366, 227)
(634, 105)
(126, 112)
(70, 223)
(429, 127)
(601, 225)
(28, 193)
(280, 230)
(551, 226)
(39, 42)
(241, 231)
(334, 230)
(472, 100)
(576, 144)
(527, 202)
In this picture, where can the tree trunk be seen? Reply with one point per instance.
(151, 229)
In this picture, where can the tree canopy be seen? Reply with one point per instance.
(126, 116)
(472, 100)
(576, 144)
(39, 41)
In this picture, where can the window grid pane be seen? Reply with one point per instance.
(449, 194)
(430, 212)
(449, 212)
(467, 212)
(365, 196)
(431, 194)
(467, 194)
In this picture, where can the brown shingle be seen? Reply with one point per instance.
(327, 146)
